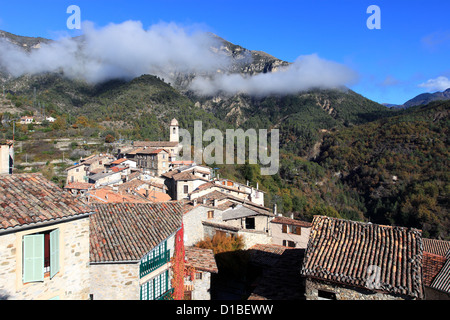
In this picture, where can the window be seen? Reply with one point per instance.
(40, 255)
(250, 223)
(287, 243)
(291, 229)
(156, 287)
(186, 189)
(326, 295)
(211, 214)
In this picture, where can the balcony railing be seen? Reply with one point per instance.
(153, 264)
(168, 295)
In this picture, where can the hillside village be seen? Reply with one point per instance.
(127, 226)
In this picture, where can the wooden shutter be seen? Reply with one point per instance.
(54, 252)
(33, 258)
(298, 230)
(284, 228)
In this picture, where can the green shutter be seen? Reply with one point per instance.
(33, 258)
(54, 252)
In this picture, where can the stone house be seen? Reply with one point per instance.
(44, 241)
(153, 161)
(123, 162)
(79, 188)
(76, 173)
(183, 181)
(349, 260)
(289, 232)
(81, 171)
(217, 212)
(232, 188)
(131, 247)
(106, 178)
(172, 146)
(197, 284)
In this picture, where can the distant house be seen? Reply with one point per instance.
(197, 284)
(50, 119)
(44, 241)
(172, 146)
(123, 162)
(26, 120)
(348, 260)
(131, 247)
(81, 171)
(232, 188)
(153, 161)
(289, 232)
(183, 181)
(105, 178)
(217, 212)
(79, 188)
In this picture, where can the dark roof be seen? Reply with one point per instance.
(201, 259)
(439, 247)
(30, 198)
(289, 221)
(155, 144)
(442, 280)
(128, 231)
(342, 251)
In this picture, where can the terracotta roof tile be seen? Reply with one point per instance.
(341, 251)
(201, 259)
(128, 231)
(285, 220)
(432, 265)
(30, 198)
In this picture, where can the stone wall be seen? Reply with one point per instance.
(301, 241)
(341, 292)
(193, 227)
(71, 282)
(254, 237)
(115, 281)
(201, 286)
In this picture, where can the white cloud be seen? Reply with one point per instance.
(123, 50)
(127, 50)
(439, 84)
(305, 73)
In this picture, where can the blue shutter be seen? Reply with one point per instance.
(33, 258)
(54, 252)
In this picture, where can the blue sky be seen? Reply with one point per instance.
(409, 55)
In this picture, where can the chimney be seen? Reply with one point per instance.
(204, 200)
(194, 202)
(292, 215)
(275, 209)
(257, 186)
(214, 202)
(247, 183)
(146, 193)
